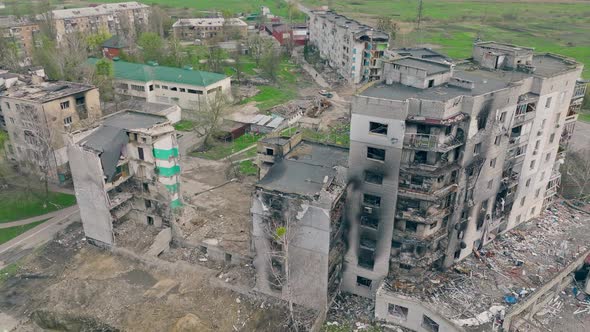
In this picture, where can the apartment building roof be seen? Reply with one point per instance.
(45, 91)
(306, 169)
(353, 25)
(505, 273)
(103, 9)
(145, 73)
(431, 67)
(205, 22)
(423, 53)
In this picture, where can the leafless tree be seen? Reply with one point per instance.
(208, 115)
(258, 46)
(239, 64)
(9, 56)
(577, 171)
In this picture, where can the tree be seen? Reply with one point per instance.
(103, 78)
(577, 171)
(152, 46)
(9, 56)
(215, 59)
(239, 64)
(386, 24)
(208, 116)
(176, 55)
(64, 62)
(270, 63)
(95, 41)
(257, 46)
(160, 23)
(292, 10)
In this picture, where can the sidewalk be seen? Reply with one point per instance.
(50, 215)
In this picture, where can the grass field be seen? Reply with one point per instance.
(221, 150)
(16, 205)
(7, 234)
(270, 96)
(584, 117)
(247, 167)
(184, 125)
(549, 26)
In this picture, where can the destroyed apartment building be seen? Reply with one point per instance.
(297, 219)
(38, 116)
(448, 156)
(126, 169)
(353, 49)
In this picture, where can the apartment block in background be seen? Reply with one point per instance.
(184, 87)
(125, 169)
(22, 32)
(39, 115)
(302, 190)
(353, 49)
(116, 18)
(191, 29)
(446, 156)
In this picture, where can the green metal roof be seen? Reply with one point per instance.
(145, 73)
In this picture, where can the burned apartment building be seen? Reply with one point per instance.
(20, 33)
(297, 215)
(125, 169)
(353, 49)
(38, 116)
(124, 18)
(193, 29)
(444, 157)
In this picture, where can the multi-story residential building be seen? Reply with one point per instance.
(301, 191)
(22, 33)
(38, 116)
(190, 29)
(447, 156)
(117, 18)
(186, 88)
(353, 49)
(125, 169)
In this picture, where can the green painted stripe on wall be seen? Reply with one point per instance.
(168, 171)
(165, 154)
(173, 188)
(176, 203)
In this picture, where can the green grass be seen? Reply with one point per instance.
(561, 28)
(221, 150)
(7, 234)
(247, 167)
(270, 96)
(8, 271)
(184, 125)
(339, 135)
(3, 138)
(584, 117)
(17, 205)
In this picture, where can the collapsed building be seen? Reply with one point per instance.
(297, 219)
(353, 49)
(445, 157)
(126, 169)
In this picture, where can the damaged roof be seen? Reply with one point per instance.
(306, 169)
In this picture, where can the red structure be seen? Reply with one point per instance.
(112, 47)
(283, 32)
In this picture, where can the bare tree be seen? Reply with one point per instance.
(270, 63)
(386, 24)
(208, 116)
(257, 46)
(215, 59)
(9, 56)
(577, 171)
(239, 64)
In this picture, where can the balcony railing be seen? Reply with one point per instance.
(426, 193)
(429, 142)
(579, 91)
(522, 118)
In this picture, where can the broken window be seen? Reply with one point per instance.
(477, 149)
(490, 184)
(422, 129)
(370, 222)
(366, 258)
(405, 266)
(420, 157)
(148, 203)
(372, 200)
(551, 138)
(396, 244)
(503, 115)
(146, 187)
(373, 177)
(150, 220)
(376, 154)
(397, 311)
(481, 120)
(417, 180)
(227, 258)
(361, 281)
(548, 102)
(378, 128)
(140, 153)
(68, 120)
(270, 152)
(429, 324)
(433, 225)
(457, 253)
(411, 226)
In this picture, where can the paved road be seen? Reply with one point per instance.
(25, 243)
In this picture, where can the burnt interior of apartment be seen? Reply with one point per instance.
(81, 106)
(369, 222)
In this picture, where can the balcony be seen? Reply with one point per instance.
(522, 118)
(424, 216)
(436, 143)
(509, 180)
(425, 192)
(579, 90)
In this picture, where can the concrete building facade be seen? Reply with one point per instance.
(38, 117)
(301, 191)
(445, 157)
(186, 88)
(353, 49)
(116, 18)
(22, 32)
(190, 29)
(125, 169)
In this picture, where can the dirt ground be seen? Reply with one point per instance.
(72, 286)
(221, 209)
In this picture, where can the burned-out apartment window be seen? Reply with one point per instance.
(140, 153)
(477, 149)
(373, 177)
(370, 222)
(146, 187)
(270, 152)
(150, 220)
(378, 128)
(361, 281)
(482, 119)
(448, 130)
(148, 203)
(405, 266)
(411, 226)
(396, 244)
(376, 154)
(422, 129)
(372, 200)
(429, 324)
(397, 311)
(420, 157)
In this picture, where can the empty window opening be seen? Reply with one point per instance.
(148, 203)
(64, 104)
(429, 324)
(405, 266)
(378, 128)
(370, 222)
(376, 154)
(150, 220)
(477, 149)
(227, 258)
(397, 311)
(396, 244)
(366, 258)
(420, 157)
(422, 129)
(430, 83)
(140, 152)
(373, 177)
(361, 281)
(146, 187)
(270, 152)
(411, 226)
(372, 200)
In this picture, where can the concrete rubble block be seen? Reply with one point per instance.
(161, 243)
(161, 288)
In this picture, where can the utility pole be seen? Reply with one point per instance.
(419, 21)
